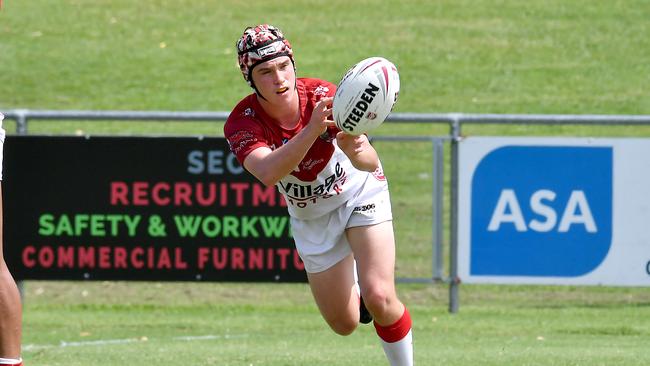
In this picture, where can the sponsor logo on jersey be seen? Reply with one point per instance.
(240, 139)
(302, 194)
(321, 91)
(310, 164)
(379, 174)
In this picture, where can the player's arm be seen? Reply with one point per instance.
(359, 150)
(269, 166)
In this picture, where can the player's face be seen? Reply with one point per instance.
(275, 79)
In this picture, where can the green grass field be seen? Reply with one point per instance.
(576, 57)
(225, 324)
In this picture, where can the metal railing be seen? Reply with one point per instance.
(453, 120)
(23, 116)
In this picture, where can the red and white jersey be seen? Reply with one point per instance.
(325, 179)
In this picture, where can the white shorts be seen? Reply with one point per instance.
(321, 242)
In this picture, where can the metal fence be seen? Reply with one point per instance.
(453, 120)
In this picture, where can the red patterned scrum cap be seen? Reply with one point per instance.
(259, 44)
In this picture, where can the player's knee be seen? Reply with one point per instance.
(344, 326)
(377, 299)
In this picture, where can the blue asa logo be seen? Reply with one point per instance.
(541, 211)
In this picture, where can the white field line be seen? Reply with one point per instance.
(109, 342)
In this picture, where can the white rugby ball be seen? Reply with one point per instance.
(365, 95)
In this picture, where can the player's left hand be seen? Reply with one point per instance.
(351, 145)
(358, 149)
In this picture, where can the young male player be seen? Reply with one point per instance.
(336, 193)
(10, 308)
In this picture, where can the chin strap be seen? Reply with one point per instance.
(258, 92)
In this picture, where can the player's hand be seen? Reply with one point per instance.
(358, 149)
(350, 144)
(321, 116)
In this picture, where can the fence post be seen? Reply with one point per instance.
(21, 121)
(21, 129)
(454, 282)
(438, 192)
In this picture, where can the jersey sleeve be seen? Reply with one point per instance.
(243, 136)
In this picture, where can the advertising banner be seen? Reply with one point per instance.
(141, 208)
(554, 211)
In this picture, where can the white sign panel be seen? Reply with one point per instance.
(554, 211)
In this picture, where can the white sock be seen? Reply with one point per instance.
(10, 361)
(399, 353)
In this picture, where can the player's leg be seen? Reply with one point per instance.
(336, 295)
(10, 313)
(374, 249)
(10, 307)
(364, 315)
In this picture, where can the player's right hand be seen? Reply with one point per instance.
(321, 116)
